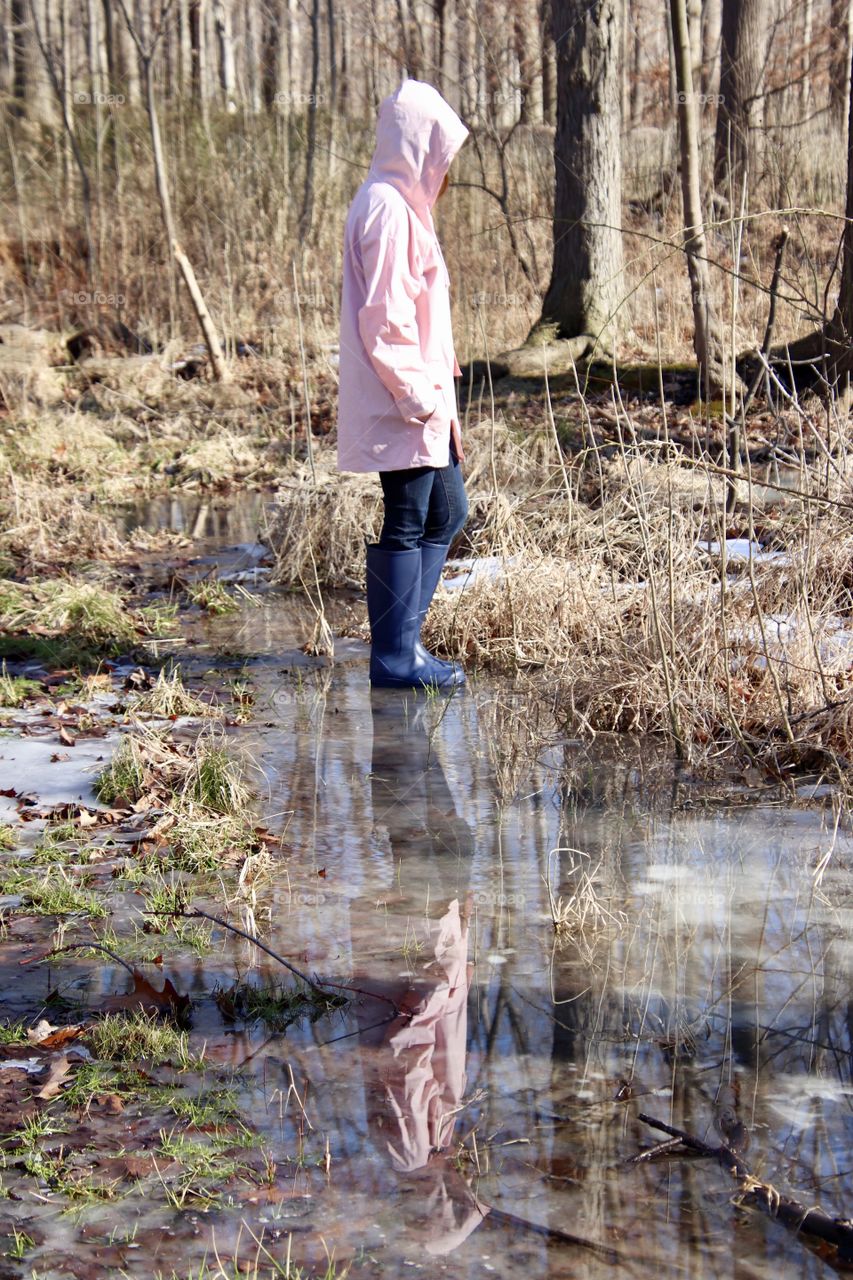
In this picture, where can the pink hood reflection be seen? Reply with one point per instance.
(425, 1084)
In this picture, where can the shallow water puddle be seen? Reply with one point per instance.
(473, 1109)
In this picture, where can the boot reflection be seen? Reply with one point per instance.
(409, 790)
(421, 1054)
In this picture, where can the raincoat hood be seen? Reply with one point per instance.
(417, 136)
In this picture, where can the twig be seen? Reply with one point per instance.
(659, 1149)
(83, 946)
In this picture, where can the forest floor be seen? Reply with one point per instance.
(658, 650)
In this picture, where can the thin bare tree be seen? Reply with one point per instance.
(707, 341)
(146, 43)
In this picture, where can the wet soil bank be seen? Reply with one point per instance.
(457, 1087)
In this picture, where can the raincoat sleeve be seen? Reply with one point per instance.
(387, 321)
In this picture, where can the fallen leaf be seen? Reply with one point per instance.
(146, 996)
(110, 1103)
(59, 1069)
(67, 739)
(48, 1037)
(59, 755)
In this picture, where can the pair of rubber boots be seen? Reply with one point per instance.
(400, 586)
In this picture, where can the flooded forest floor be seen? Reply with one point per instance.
(304, 981)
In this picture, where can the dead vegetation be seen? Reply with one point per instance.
(661, 593)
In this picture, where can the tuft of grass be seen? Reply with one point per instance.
(68, 620)
(212, 596)
(13, 1032)
(50, 894)
(169, 698)
(20, 1245)
(139, 1035)
(210, 1107)
(123, 779)
(215, 782)
(62, 843)
(8, 836)
(277, 1006)
(16, 690)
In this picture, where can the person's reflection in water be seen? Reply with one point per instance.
(421, 1055)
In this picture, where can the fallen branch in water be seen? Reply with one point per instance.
(837, 1232)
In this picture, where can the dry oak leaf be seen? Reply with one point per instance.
(48, 1037)
(59, 1069)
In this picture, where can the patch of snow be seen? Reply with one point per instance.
(743, 550)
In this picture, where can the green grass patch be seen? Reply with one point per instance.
(211, 596)
(215, 782)
(49, 893)
(141, 1036)
(68, 622)
(16, 690)
(170, 698)
(123, 779)
(276, 1005)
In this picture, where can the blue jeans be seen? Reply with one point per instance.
(423, 504)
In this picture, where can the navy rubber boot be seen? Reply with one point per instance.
(393, 607)
(433, 557)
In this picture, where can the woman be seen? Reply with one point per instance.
(397, 412)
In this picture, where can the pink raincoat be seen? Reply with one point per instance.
(397, 362)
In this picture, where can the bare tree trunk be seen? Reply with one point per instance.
(252, 95)
(307, 210)
(839, 69)
(333, 56)
(635, 78)
(744, 48)
(440, 44)
(805, 86)
(223, 25)
(35, 95)
(59, 77)
(585, 292)
(549, 65)
(706, 334)
(526, 45)
(146, 49)
(185, 56)
(466, 42)
(694, 27)
(843, 319)
(712, 16)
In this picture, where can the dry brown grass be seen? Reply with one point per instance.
(606, 582)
